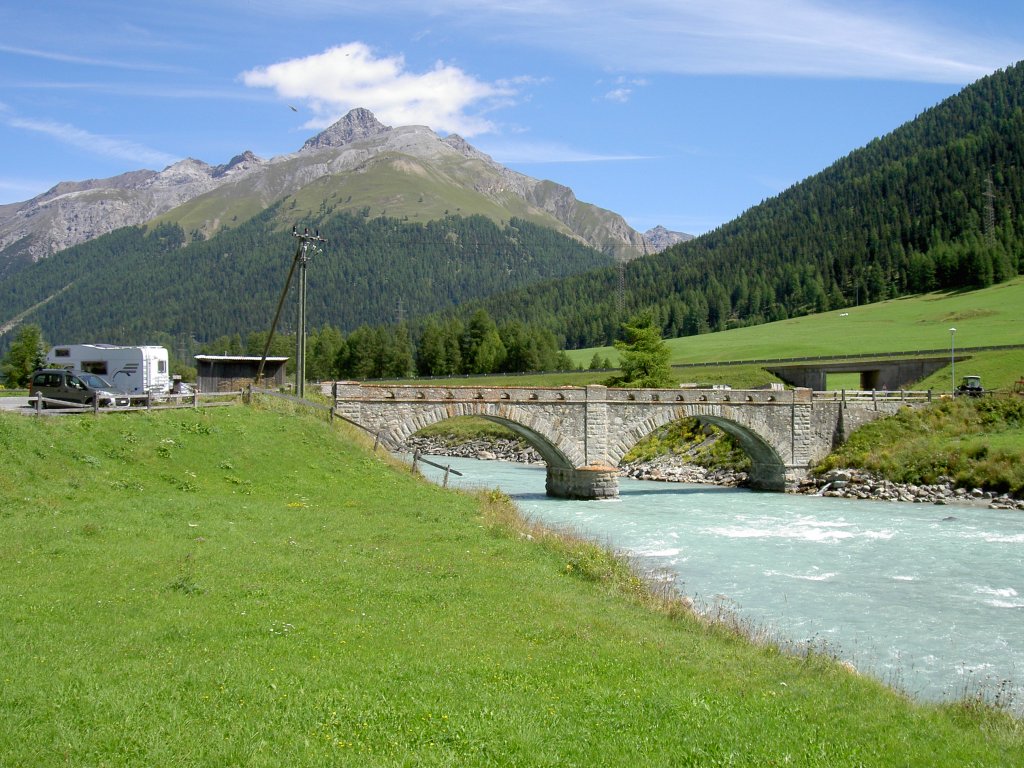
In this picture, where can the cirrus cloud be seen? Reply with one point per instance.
(108, 146)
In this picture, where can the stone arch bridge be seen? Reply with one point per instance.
(583, 432)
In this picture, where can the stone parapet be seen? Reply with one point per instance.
(582, 433)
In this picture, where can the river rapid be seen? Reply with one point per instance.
(929, 599)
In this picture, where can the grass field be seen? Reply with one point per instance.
(988, 317)
(254, 587)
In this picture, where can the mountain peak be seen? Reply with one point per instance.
(242, 162)
(358, 124)
(661, 238)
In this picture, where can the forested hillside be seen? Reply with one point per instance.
(938, 203)
(133, 283)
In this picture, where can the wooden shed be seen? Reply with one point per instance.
(226, 373)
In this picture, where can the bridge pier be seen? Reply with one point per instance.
(593, 482)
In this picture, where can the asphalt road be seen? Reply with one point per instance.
(13, 403)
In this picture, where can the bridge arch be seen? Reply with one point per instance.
(528, 424)
(767, 470)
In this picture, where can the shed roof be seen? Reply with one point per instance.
(238, 358)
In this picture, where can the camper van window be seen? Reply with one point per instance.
(99, 367)
(62, 353)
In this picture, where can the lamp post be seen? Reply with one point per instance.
(952, 357)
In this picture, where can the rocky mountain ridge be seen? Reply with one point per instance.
(202, 197)
(661, 238)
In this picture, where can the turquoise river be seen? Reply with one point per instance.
(929, 599)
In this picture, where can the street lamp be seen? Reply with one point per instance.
(952, 357)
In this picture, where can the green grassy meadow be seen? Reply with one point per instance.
(987, 317)
(253, 586)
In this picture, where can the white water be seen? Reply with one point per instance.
(927, 598)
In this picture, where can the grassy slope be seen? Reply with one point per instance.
(979, 442)
(393, 185)
(987, 317)
(250, 587)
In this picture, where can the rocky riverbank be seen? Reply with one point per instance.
(858, 484)
(478, 448)
(673, 469)
(843, 483)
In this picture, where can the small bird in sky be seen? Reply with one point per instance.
(293, 108)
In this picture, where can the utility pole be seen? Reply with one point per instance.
(952, 358)
(306, 243)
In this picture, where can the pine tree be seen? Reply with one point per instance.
(27, 353)
(482, 349)
(430, 351)
(643, 355)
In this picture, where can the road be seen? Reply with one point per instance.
(13, 403)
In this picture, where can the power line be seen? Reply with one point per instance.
(990, 210)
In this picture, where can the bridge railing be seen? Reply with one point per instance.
(571, 394)
(358, 391)
(412, 393)
(717, 395)
(874, 395)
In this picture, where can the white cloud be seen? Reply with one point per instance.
(96, 144)
(66, 58)
(797, 37)
(509, 153)
(21, 189)
(620, 95)
(809, 38)
(348, 76)
(623, 90)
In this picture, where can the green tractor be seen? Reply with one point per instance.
(970, 386)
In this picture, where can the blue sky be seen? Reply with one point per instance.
(674, 112)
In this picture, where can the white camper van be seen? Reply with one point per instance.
(135, 370)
